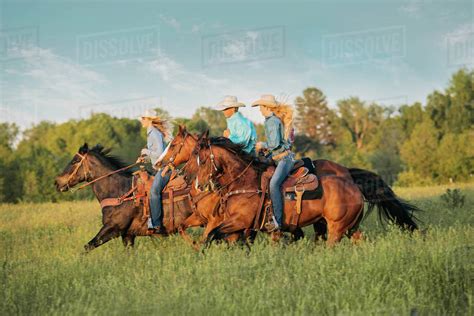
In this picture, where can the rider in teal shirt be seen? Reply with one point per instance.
(240, 130)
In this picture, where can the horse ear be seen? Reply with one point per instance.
(84, 149)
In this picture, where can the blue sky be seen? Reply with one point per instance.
(62, 60)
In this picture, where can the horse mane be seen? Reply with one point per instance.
(238, 149)
(104, 155)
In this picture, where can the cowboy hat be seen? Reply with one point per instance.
(149, 113)
(229, 102)
(268, 100)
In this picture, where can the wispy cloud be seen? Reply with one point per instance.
(170, 21)
(411, 8)
(179, 77)
(46, 85)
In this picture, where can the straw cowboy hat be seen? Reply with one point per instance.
(149, 113)
(268, 100)
(229, 102)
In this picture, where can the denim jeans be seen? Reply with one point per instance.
(282, 171)
(156, 204)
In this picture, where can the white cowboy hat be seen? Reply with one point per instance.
(149, 113)
(229, 102)
(267, 100)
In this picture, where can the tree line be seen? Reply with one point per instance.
(415, 144)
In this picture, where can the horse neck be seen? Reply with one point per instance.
(114, 185)
(233, 167)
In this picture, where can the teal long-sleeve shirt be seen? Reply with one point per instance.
(242, 131)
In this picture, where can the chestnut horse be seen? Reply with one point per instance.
(179, 152)
(236, 176)
(181, 149)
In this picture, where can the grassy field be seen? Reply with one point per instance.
(43, 270)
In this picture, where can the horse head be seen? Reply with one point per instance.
(179, 150)
(76, 171)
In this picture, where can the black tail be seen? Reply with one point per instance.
(378, 193)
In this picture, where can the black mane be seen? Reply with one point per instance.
(238, 149)
(113, 161)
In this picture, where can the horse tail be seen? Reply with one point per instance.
(378, 193)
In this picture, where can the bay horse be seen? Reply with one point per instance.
(237, 177)
(126, 219)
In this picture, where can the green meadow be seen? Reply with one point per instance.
(43, 270)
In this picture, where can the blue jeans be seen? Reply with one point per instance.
(282, 171)
(156, 204)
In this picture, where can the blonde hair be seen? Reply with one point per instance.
(164, 126)
(285, 113)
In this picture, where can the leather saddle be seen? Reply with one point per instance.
(143, 181)
(299, 180)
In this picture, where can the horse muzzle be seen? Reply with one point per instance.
(60, 187)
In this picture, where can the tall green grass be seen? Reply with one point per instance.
(43, 270)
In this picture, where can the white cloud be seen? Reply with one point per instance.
(170, 21)
(411, 8)
(180, 78)
(462, 33)
(42, 85)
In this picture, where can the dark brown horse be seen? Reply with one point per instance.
(341, 206)
(125, 220)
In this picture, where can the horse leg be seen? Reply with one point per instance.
(105, 234)
(320, 230)
(213, 223)
(335, 232)
(191, 221)
(128, 240)
(354, 233)
(297, 234)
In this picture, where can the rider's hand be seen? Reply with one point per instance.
(226, 133)
(259, 146)
(141, 159)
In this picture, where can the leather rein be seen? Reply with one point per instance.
(87, 173)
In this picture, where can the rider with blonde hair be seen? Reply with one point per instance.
(158, 132)
(278, 131)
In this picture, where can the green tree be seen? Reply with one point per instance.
(314, 119)
(359, 119)
(410, 116)
(455, 156)
(419, 151)
(9, 176)
(460, 114)
(215, 120)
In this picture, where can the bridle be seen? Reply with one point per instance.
(215, 186)
(213, 176)
(86, 168)
(170, 164)
(87, 172)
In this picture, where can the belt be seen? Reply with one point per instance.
(281, 156)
